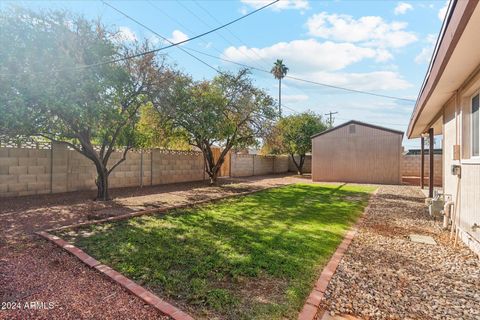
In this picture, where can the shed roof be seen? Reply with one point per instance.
(359, 123)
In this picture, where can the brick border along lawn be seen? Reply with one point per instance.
(34, 270)
(311, 308)
(293, 207)
(384, 275)
(145, 295)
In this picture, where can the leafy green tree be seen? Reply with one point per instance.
(227, 112)
(279, 71)
(292, 135)
(154, 132)
(56, 85)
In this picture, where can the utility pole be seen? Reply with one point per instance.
(330, 114)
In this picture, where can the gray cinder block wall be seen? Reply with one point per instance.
(25, 171)
(56, 168)
(307, 165)
(246, 165)
(411, 166)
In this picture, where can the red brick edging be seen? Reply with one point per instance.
(310, 308)
(308, 312)
(147, 296)
(137, 290)
(159, 210)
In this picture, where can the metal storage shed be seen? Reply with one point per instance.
(357, 152)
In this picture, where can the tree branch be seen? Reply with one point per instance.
(124, 157)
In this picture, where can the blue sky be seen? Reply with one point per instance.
(378, 46)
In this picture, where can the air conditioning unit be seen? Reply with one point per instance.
(436, 205)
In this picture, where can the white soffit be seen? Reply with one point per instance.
(464, 60)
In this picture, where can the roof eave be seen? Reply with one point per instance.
(359, 123)
(458, 15)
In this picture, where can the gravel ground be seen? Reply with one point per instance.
(32, 269)
(384, 275)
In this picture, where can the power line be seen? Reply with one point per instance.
(209, 26)
(287, 107)
(223, 59)
(351, 90)
(344, 119)
(158, 49)
(164, 38)
(159, 35)
(382, 123)
(195, 37)
(231, 32)
(179, 22)
(304, 80)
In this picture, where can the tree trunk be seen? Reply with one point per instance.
(280, 97)
(102, 184)
(213, 177)
(213, 168)
(298, 165)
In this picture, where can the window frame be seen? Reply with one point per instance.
(476, 93)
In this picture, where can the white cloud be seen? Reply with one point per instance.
(317, 61)
(280, 5)
(125, 34)
(369, 30)
(371, 81)
(306, 54)
(426, 53)
(154, 40)
(402, 8)
(443, 11)
(178, 36)
(294, 98)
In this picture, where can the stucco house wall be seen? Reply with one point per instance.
(464, 190)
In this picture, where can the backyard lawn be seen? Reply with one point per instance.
(251, 257)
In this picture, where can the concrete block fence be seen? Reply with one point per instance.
(411, 166)
(307, 165)
(55, 168)
(245, 165)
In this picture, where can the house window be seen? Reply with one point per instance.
(475, 126)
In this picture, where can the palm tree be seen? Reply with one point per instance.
(279, 71)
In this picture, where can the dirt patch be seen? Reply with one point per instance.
(106, 213)
(262, 290)
(45, 274)
(32, 269)
(353, 198)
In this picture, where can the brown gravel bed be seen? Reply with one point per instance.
(32, 269)
(46, 274)
(384, 275)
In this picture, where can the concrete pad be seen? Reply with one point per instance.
(422, 239)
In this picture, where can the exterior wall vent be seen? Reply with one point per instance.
(351, 128)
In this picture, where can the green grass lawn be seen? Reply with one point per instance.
(251, 257)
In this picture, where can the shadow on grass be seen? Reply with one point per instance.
(208, 258)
